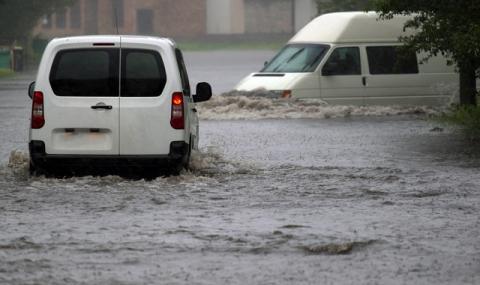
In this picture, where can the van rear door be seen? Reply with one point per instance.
(82, 105)
(145, 102)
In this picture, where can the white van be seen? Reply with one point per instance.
(113, 101)
(353, 58)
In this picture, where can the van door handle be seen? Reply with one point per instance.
(364, 80)
(102, 106)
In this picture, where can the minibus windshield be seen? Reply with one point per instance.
(297, 58)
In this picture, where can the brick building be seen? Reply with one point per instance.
(170, 18)
(178, 18)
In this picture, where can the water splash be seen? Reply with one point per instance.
(18, 165)
(208, 162)
(263, 105)
(211, 161)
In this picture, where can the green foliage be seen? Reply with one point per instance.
(328, 6)
(19, 17)
(467, 118)
(450, 28)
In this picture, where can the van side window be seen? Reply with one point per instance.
(85, 73)
(343, 61)
(143, 73)
(391, 60)
(183, 72)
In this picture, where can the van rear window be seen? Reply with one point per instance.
(391, 60)
(143, 73)
(85, 73)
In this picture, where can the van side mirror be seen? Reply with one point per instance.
(204, 92)
(31, 89)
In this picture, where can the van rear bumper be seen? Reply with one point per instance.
(178, 156)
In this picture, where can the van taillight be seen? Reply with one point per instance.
(177, 120)
(38, 118)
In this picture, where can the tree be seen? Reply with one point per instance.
(327, 6)
(18, 18)
(447, 27)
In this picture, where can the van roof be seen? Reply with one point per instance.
(112, 38)
(351, 27)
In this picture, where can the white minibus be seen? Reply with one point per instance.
(355, 58)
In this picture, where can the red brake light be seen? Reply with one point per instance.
(103, 44)
(177, 99)
(177, 120)
(38, 118)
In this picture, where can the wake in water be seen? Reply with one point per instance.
(209, 163)
(265, 105)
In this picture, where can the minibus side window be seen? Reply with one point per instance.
(343, 61)
(391, 60)
(143, 73)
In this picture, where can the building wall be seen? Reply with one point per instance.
(47, 27)
(305, 11)
(225, 17)
(183, 18)
(269, 16)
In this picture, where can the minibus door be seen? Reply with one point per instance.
(341, 79)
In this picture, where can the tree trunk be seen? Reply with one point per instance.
(468, 84)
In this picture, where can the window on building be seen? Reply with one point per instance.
(47, 22)
(75, 16)
(61, 19)
(391, 60)
(119, 10)
(343, 61)
(145, 21)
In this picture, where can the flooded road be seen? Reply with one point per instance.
(299, 195)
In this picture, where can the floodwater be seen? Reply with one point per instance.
(279, 193)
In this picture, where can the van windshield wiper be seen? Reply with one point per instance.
(297, 53)
(308, 66)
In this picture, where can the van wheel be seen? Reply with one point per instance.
(31, 169)
(36, 171)
(183, 163)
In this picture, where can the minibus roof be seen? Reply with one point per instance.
(352, 27)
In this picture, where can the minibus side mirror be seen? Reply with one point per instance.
(31, 89)
(204, 92)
